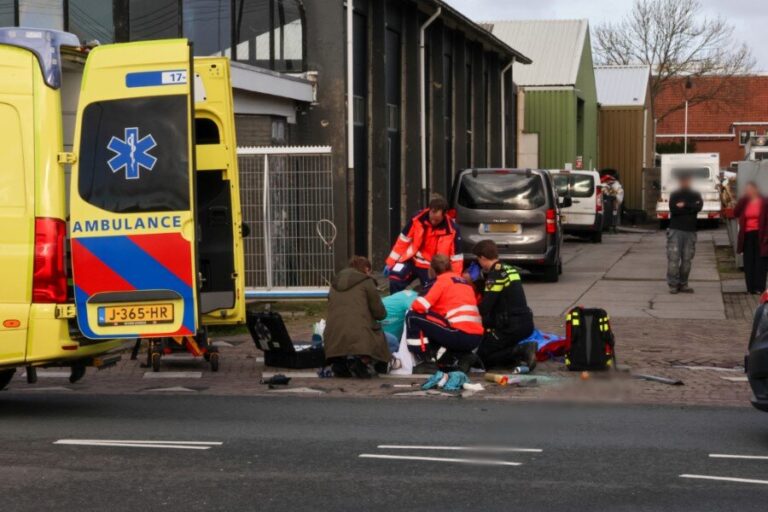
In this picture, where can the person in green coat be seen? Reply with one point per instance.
(354, 341)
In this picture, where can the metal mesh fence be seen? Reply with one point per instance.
(287, 201)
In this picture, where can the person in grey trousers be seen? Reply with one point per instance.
(684, 205)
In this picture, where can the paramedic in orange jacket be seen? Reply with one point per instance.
(447, 316)
(432, 231)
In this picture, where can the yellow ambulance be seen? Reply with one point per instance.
(147, 243)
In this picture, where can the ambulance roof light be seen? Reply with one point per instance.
(45, 44)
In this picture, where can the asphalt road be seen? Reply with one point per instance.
(303, 453)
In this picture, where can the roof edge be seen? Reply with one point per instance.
(479, 29)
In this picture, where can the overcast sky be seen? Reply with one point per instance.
(749, 17)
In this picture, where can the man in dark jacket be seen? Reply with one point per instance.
(506, 316)
(353, 338)
(684, 205)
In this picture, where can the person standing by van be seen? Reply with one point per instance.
(432, 231)
(684, 206)
(752, 212)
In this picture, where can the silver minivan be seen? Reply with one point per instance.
(516, 208)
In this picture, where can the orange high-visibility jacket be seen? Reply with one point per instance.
(453, 298)
(421, 240)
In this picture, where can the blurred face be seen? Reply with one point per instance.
(485, 263)
(685, 182)
(751, 191)
(436, 217)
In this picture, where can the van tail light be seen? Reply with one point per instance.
(49, 282)
(764, 297)
(599, 199)
(662, 215)
(551, 222)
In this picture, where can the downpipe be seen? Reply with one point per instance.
(423, 102)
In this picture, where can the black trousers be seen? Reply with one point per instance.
(755, 266)
(498, 349)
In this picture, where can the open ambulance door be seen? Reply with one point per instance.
(132, 220)
(221, 258)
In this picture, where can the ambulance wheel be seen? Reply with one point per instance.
(213, 359)
(597, 237)
(155, 361)
(5, 377)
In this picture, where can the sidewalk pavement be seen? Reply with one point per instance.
(684, 337)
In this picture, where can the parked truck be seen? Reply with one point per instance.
(704, 171)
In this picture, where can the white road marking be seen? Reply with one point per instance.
(172, 389)
(726, 479)
(487, 449)
(173, 375)
(736, 379)
(745, 457)
(480, 462)
(177, 445)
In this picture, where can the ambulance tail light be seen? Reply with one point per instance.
(49, 281)
(551, 222)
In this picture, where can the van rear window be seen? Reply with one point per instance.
(696, 173)
(134, 155)
(575, 185)
(503, 191)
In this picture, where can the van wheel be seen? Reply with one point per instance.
(597, 237)
(663, 224)
(214, 361)
(5, 377)
(551, 274)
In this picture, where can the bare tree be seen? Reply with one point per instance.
(681, 45)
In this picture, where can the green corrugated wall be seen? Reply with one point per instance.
(552, 114)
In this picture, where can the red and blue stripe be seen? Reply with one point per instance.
(128, 263)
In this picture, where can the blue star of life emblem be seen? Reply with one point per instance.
(132, 153)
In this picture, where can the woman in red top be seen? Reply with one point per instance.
(752, 211)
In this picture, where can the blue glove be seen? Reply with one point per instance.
(387, 270)
(455, 381)
(475, 271)
(433, 381)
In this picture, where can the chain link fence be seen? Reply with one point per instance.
(287, 202)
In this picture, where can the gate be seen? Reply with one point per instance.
(287, 202)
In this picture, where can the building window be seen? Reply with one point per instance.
(208, 24)
(91, 20)
(7, 13)
(41, 14)
(278, 130)
(270, 34)
(153, 19)
(745, 135)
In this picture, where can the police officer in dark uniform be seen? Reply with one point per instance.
(506, 316)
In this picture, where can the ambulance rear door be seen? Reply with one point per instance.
(132, 224)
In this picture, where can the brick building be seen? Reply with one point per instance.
(717, 126)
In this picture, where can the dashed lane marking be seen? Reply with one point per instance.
(743, 457)
(485, 449)
(122, 443)
(477, 462)
(726, 479)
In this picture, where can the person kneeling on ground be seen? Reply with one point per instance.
(506, 316)
(446, 317)
(354, 340)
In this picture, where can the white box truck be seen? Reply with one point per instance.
(704, 170)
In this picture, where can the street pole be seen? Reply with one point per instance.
(685, 150)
